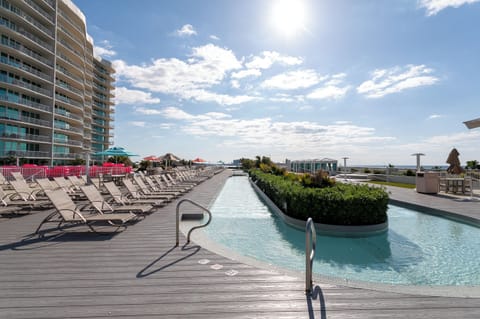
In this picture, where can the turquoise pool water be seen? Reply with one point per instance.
(418, 249)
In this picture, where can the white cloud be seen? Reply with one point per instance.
(397, 79)
(145, 111)
(127, 96)
(186, 31)
(137, 123)
(104, 50)
(268, 58)
(435, 6)
(246, 73)
(332, 89)
(206, 67)
(235, 84)
(222, 99)
(296, 136)
(328, 92)
(435, 116)
(214, 37)
(292, 80)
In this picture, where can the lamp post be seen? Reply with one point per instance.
(418, 160)
(344, 167)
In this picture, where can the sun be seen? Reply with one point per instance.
(289, 17)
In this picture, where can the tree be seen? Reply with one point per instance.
(473, 164)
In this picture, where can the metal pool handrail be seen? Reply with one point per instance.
(310, 243)
(193, 228)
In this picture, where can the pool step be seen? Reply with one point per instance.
(192, 216)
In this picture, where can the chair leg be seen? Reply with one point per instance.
(45, 220)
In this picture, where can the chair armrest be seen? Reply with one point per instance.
(75, 212)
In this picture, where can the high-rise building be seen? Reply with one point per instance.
(55, 96)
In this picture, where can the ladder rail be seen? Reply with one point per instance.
(193, 228)
(310, 245)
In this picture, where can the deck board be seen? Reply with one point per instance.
(140, 274)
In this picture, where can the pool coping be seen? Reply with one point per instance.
(201, 239)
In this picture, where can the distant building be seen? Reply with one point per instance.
(312, 165)
(55, 96)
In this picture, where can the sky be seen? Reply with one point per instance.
(371, 80)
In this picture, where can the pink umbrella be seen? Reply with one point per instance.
(151, 158)
(199, 160)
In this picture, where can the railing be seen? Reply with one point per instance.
(7, 79)
(16, 117)
(26, 102)
(310, 243)
(23, 67)
(62, 171)
(193, 228)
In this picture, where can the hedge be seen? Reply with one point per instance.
(341, 204)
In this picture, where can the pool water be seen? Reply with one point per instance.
(418, 249)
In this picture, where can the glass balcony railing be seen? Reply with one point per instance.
(12, 117)
(5, 60)
(29, 137)
(23, 153)
(22, 101)
(39, 9)
(6, 79)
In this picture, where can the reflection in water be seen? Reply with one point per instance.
(417, 249)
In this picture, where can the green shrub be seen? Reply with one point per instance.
(339, 204)
(409, 172)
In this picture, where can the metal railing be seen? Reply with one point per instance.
(193, 228)
(310, 243)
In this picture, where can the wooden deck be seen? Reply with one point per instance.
(139, 273)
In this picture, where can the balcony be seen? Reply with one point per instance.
(69, 74)
(27, 34)
(70, 35)
(6, 61)
(69, 129)
(30, 53)
(25, 102)
(69, 61)
(28, 137)
(68, 101)
(39, 9)
(68, 115)
(6, 116)
(69, 47)
(69, 21)
(69, 88)
(6, 79)
(27, 18)
(67, 155)
(26, 154)
(68, 142)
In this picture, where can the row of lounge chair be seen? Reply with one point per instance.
(78, 201)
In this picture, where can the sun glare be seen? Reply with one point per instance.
(288, 17)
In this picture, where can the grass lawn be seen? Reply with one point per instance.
(394, 184)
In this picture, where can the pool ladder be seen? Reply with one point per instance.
(310, 243)
(193, 228)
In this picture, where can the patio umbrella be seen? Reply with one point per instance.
(199, 160)
(455, 166)
(169, 158)
(151, 158)
(116, 151)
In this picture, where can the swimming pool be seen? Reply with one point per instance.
(418, 249)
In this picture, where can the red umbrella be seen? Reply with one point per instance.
(199, 160)
(151, 158)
